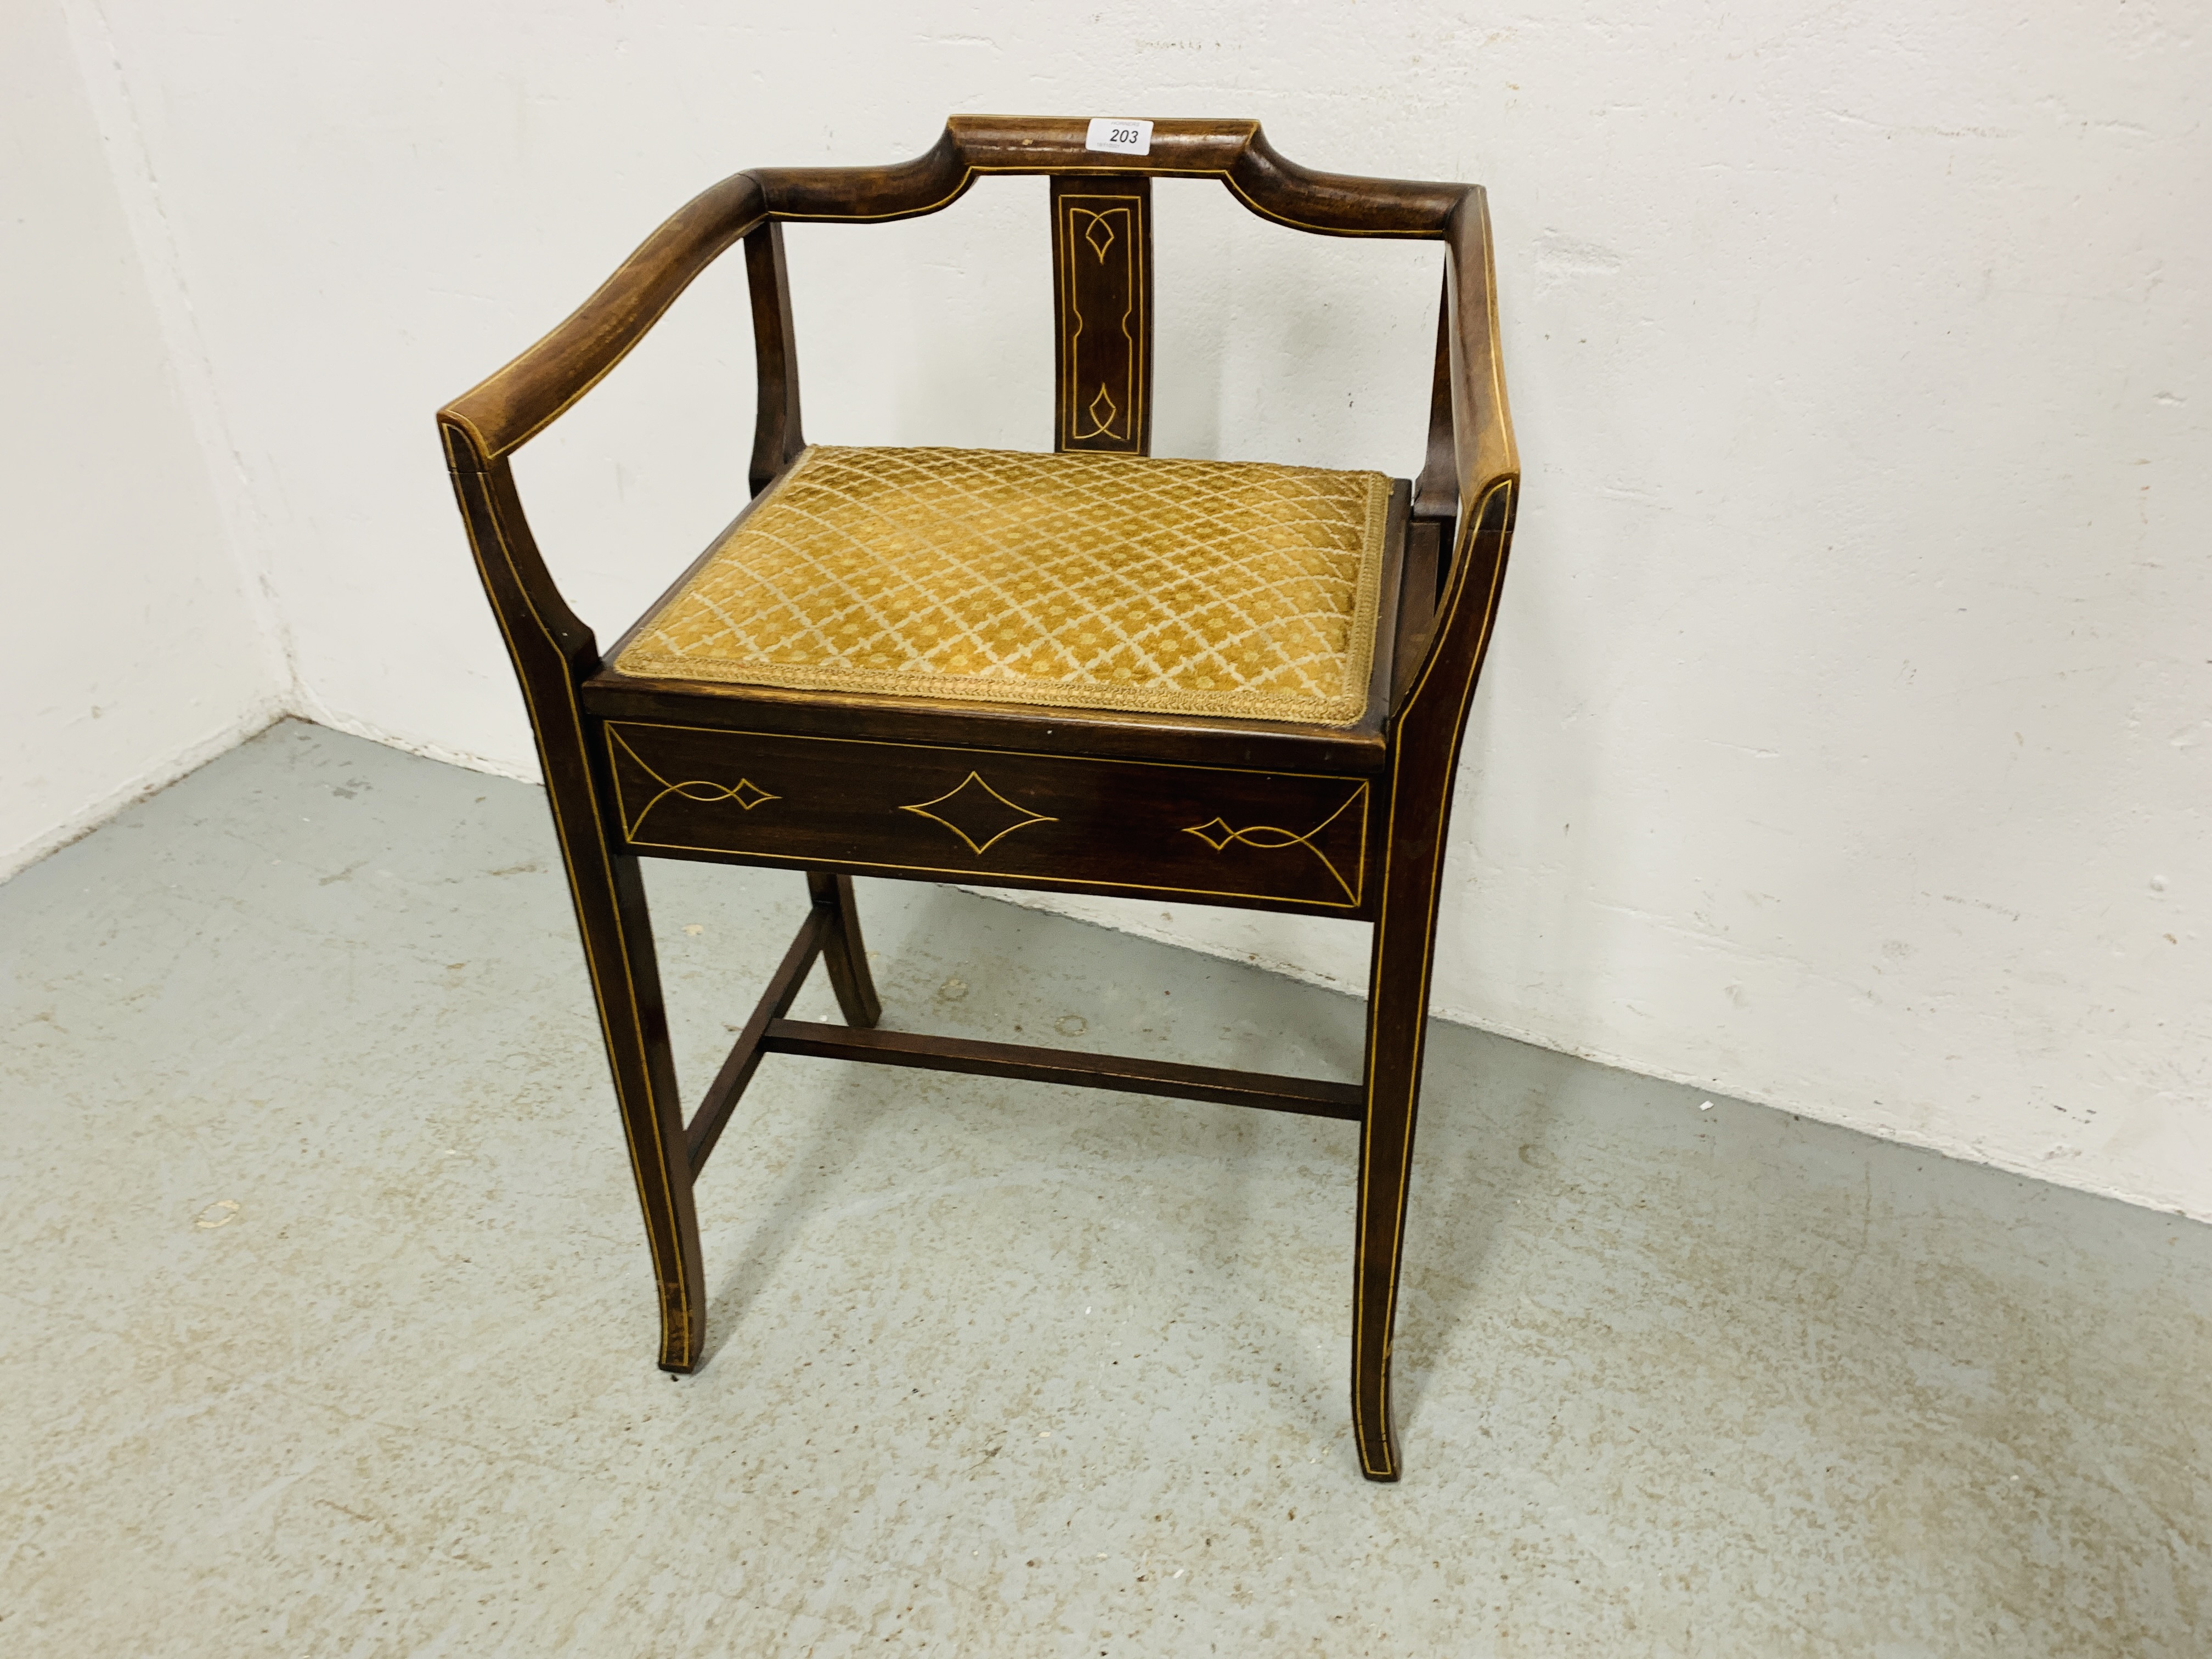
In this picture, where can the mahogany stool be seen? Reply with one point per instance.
(1091, 670)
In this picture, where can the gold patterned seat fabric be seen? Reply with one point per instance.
(1070, 580)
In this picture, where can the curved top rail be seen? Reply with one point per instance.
(1236, 152)
(520, 401)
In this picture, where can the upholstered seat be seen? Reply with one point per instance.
(1068, 580)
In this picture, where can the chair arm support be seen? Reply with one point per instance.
(1482, 424)
(1484, 465)
(511, 407)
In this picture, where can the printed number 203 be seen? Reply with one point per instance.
(1125, 133)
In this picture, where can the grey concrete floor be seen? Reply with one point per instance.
(328, 1318)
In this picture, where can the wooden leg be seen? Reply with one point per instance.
(1397, 1025)
(553, 652)
(1430, 721)
(617, 936)
(843, 953)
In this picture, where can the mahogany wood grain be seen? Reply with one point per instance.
(1065, 821)
(777, 435)
(1101, 279)
(844, 953)
(551, 652)
(1253, 745)
(1308, 1096)
(1424, 763)
(1435, 491)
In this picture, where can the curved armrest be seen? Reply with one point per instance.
(1482, 424)
(1472, 457)
(513, 405)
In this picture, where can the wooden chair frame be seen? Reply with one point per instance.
(1449, 533)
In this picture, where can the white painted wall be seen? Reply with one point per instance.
(1845, 743)
(133, 652)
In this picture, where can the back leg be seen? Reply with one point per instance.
(842, 952)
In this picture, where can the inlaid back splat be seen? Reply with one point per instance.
(1101, 270)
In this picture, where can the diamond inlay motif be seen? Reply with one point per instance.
(744, 792)
(749, 794)
(1216, 835)
(977, 813)
(1219, 833)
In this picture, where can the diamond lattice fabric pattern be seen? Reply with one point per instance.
(1070, 580)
